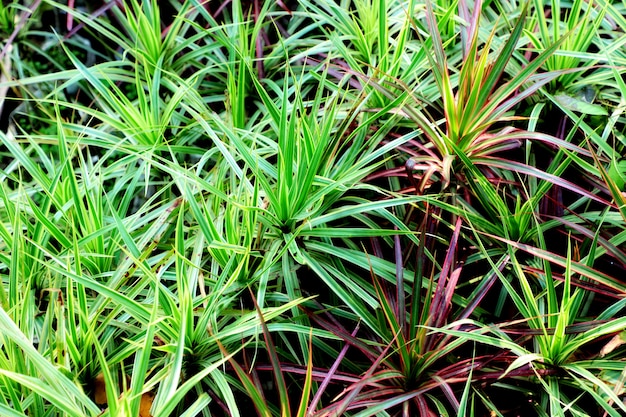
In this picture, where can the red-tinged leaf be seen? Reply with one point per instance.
(285, 409)
(526, 74)
(395, 327)
(610, 248)
(331, 374)
(318, 374)
(375, 408)
(503, 58)
(400, 294)
(486, 283)
(255, 394)
(512, 134)
(341, 332)
(445, 287)
(521, 168)
(452, 281)
(477, 74)
(356, 388)
(308, 380)
(439, 65)
(372, 404)
(576, 267)
(416, 299)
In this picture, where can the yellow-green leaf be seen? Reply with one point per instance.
(580, 106)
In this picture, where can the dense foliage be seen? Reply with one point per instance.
(312, 208)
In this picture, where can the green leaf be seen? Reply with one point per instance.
(580, 106)
(521, 361)
(617, 172)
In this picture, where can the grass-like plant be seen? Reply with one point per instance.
(474, 101)
(407, 370)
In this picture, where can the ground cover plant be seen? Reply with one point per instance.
(312, 208)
